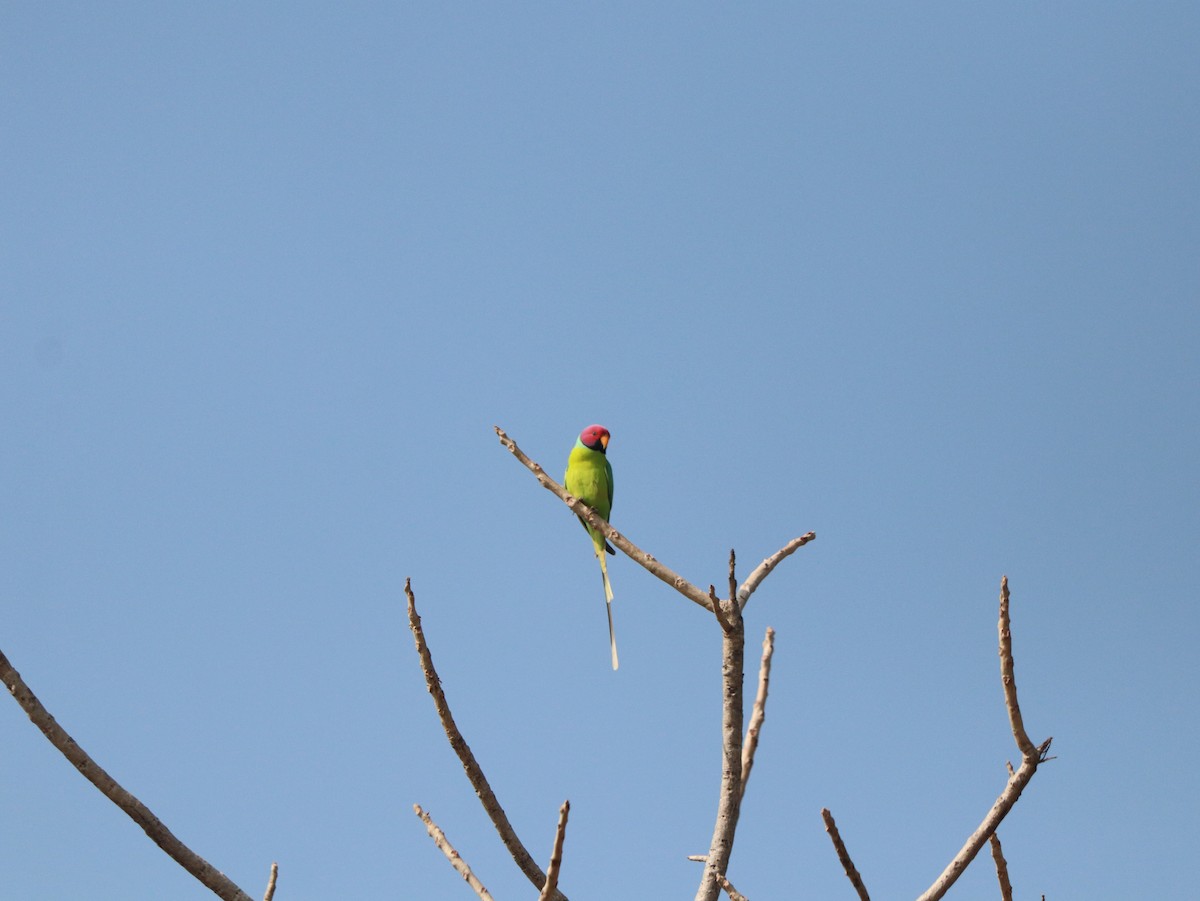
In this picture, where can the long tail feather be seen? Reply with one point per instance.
(608, 596)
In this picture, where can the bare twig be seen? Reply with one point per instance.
(1008, 678)
(456, 861)
(470, 765)
(764, 569)
(270, 892)
(556, 854)
(216, 881)
(1031, 757)
(844, 855)
(1001, 868)
(732, 575)
(759, 712)
(734, 894)
(733, 645)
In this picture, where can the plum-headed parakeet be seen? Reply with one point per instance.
(589, 477)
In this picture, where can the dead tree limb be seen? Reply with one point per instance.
(844, 855)
(452, 855)
(216, 881)
(552, 869)
(1001, 868)
(759, 712)
(483, 790)
(764, 569)
(729, 617)
(1031, 757)
(733, 646)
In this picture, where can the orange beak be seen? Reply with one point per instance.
(604, 441)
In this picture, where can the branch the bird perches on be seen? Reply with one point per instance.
(737, 751)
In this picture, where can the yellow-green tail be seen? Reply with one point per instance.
(608, 596)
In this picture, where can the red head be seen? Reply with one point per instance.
(595, 437)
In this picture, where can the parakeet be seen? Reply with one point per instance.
(589, 477)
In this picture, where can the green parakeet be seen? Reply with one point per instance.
(589, 477)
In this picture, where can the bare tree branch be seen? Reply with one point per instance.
(844, 855)
(764, 569)
(733, 645)
(632, 551)
(759, 712)
(1031, 756)
(556, 854)
(734, 894)
(270, 892)
(470, 765)
(1001, 868)
(210, 876)
(456, 861)
(1007, 677)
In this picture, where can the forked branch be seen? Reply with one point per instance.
(216, 881)
(474, 772)
(1031, 757)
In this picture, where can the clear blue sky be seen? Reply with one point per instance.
(923, 280)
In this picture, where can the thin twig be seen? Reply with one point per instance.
(764, 569)
(270, 892)
(596, 521)
(732, 576)
(556, 853)
(844, 855)
(1031, 757)
(456, 861)
(759, 712)
(734, 894)
(733, 646)
(217, 882)
(470, 765)
(1007, 677)
(1001, 868)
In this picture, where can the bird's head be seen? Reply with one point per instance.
(595, 437)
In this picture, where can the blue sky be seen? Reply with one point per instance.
(922, 280)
